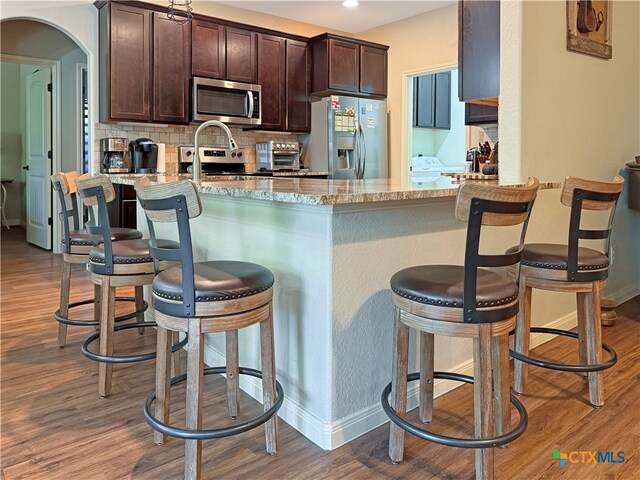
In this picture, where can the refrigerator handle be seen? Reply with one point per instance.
(363, 151)
(356, 155)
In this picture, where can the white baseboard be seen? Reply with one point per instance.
(294, 414)
(624, 294)
(563, 323)
(331, 435)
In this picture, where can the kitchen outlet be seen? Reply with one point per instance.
(612, 256)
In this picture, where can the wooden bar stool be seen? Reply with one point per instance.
(571, 268)
(463, 301)
(126, 263)
(76, 244)
(205, 297)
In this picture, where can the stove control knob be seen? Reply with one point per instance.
(233, 154)
(239, 154)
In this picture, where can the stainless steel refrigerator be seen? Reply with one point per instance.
(348, 138)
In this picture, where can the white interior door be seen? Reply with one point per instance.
(38, 167)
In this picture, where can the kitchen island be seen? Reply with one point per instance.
(332, 245)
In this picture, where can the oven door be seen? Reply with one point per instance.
(285, 161)
(228, 102)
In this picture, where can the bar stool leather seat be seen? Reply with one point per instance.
(125, 263)
(76, 244)
(443, 285)
(215, 281)
(556, 257)
(465, 301)
(130, 251)
(571, 268)
(198, 298)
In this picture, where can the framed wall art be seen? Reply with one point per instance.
(589, 27)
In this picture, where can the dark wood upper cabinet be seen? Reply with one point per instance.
(373, 70)
(208, 49)
(424, 88)
(171, 67)
(125, 63)
(432, 101)
(298, 82)
(350, 66)
(443, 100)
(479, 114)
(242, 55)
(271, 77)
(344, 60)
(479, 51)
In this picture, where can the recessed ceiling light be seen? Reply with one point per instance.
(350, 3)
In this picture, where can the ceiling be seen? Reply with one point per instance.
(331, 14)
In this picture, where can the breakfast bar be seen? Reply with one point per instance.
(332, 246)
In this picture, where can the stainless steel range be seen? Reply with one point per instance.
(214, 160)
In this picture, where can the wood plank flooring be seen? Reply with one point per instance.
(55, 426)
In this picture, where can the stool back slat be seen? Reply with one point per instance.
(87, 181)
(498, 193)
(572, 183)
(146, 191)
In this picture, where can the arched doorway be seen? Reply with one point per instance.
(28, 46)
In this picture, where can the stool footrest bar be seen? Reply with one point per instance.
(80, 322)
(216, 432)
(580, 368)
(125, 358)
(488, 442)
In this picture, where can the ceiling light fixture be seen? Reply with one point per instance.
(180, 11)
(350, 3)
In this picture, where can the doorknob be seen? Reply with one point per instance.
(26, 167)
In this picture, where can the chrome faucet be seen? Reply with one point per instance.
(196, 156)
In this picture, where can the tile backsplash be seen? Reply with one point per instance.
(176, 136)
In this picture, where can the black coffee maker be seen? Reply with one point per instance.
(144, 155)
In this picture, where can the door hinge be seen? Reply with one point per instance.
(50, 221)
(50, 87)
(49, 154)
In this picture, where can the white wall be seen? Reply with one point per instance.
(79, 20)
(11, 138)
(70, 111)
(566, 113)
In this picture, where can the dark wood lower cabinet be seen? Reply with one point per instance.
(122, 210)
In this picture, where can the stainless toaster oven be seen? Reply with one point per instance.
(275, 155)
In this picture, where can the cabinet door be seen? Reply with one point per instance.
(478, 50)
(479, 114)
(442, 118)
(298, 84)
(171, 67)
(125, 44)
(208, 51)
(242, 55)
(344, 62)
(271, 76)
(424, 107)
(129, 213)
(373, 70)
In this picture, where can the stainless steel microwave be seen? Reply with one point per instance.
(228, 102)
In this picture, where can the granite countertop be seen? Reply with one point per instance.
(311, 191)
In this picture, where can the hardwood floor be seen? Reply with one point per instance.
(55, 426)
